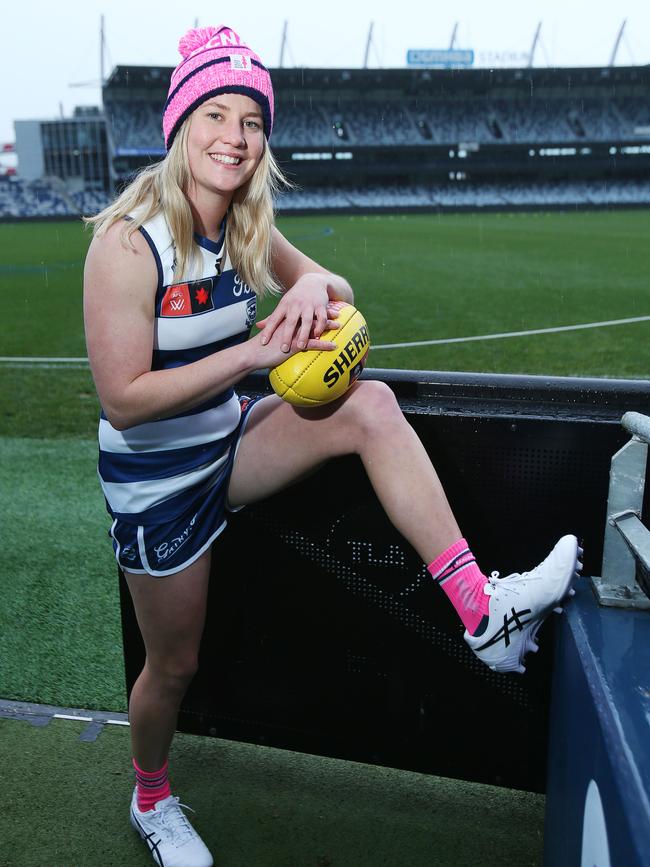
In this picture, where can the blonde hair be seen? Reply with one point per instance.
(163, 187)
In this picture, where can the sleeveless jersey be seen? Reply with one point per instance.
(153, 472)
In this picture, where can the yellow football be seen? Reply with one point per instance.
(315, 377)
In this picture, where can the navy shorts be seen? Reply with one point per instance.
(162, 549)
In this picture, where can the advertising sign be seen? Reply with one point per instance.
(440, 58)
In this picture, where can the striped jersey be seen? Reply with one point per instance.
(152, 472)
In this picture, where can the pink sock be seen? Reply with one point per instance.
(151, 786)
(456, 571)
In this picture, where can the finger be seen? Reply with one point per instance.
(269, 325)
(321, 345)
(320, 321)
(304, 331)
(289, 330)
(330, 325)
(262, 322)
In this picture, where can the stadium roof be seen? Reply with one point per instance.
(408, 80)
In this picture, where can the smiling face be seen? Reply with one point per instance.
(225, 143)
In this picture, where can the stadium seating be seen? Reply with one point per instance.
(135, 125)
(340, 119)
(91, 202)
(47, 198)
(19, 199)
(470, 195)
(448, 122)
(36, 199)
(302, 126)
(633, 114)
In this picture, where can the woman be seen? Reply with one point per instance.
(171, 281)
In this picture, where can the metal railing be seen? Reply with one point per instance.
(625, 580)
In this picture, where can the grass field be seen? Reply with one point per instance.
(416, 278)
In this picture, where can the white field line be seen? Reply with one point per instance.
(529, 333)
(24, 710)
(70, 716)
(54, 361)
(89, 719)
(40, 360)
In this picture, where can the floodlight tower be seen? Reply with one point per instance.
(368, 44)
(531, 56)
(612, 59)
(102, 49)
(283, 43)
(102, 53)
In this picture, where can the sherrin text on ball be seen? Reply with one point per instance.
(316, 377)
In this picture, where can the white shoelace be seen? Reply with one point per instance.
(500, 583)
(175, 820)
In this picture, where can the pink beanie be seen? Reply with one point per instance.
(215, 60)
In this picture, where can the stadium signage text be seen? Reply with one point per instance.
(503, 58)
(440, 58)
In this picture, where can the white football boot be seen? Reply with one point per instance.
(519, 604)
(167, 831)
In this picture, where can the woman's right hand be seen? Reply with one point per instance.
(271, 354)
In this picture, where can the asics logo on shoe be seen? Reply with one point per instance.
(148, 838)
(513, 621)
(153, 845)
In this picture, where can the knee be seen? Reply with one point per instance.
(374, 408)
(174, 673)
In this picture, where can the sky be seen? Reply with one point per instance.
(49, 51)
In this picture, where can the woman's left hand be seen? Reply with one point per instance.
(304, 311)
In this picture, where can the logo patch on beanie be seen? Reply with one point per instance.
(241, 62)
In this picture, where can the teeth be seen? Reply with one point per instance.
(222, 158)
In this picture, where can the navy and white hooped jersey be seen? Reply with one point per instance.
(152, 472)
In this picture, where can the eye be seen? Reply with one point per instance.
(215, 115)
(252, 124)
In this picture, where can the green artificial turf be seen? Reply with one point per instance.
(65, 802)
(59, 619)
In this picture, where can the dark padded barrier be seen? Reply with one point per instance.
(325, 633)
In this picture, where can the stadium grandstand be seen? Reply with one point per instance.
(382, 139)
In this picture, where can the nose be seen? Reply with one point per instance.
(232, 133)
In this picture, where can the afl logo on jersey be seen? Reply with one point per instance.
(184, 299)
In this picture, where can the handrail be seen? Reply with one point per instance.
(625, 579)
(638, 425)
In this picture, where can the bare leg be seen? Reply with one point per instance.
(171, 616)
(282, 444)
